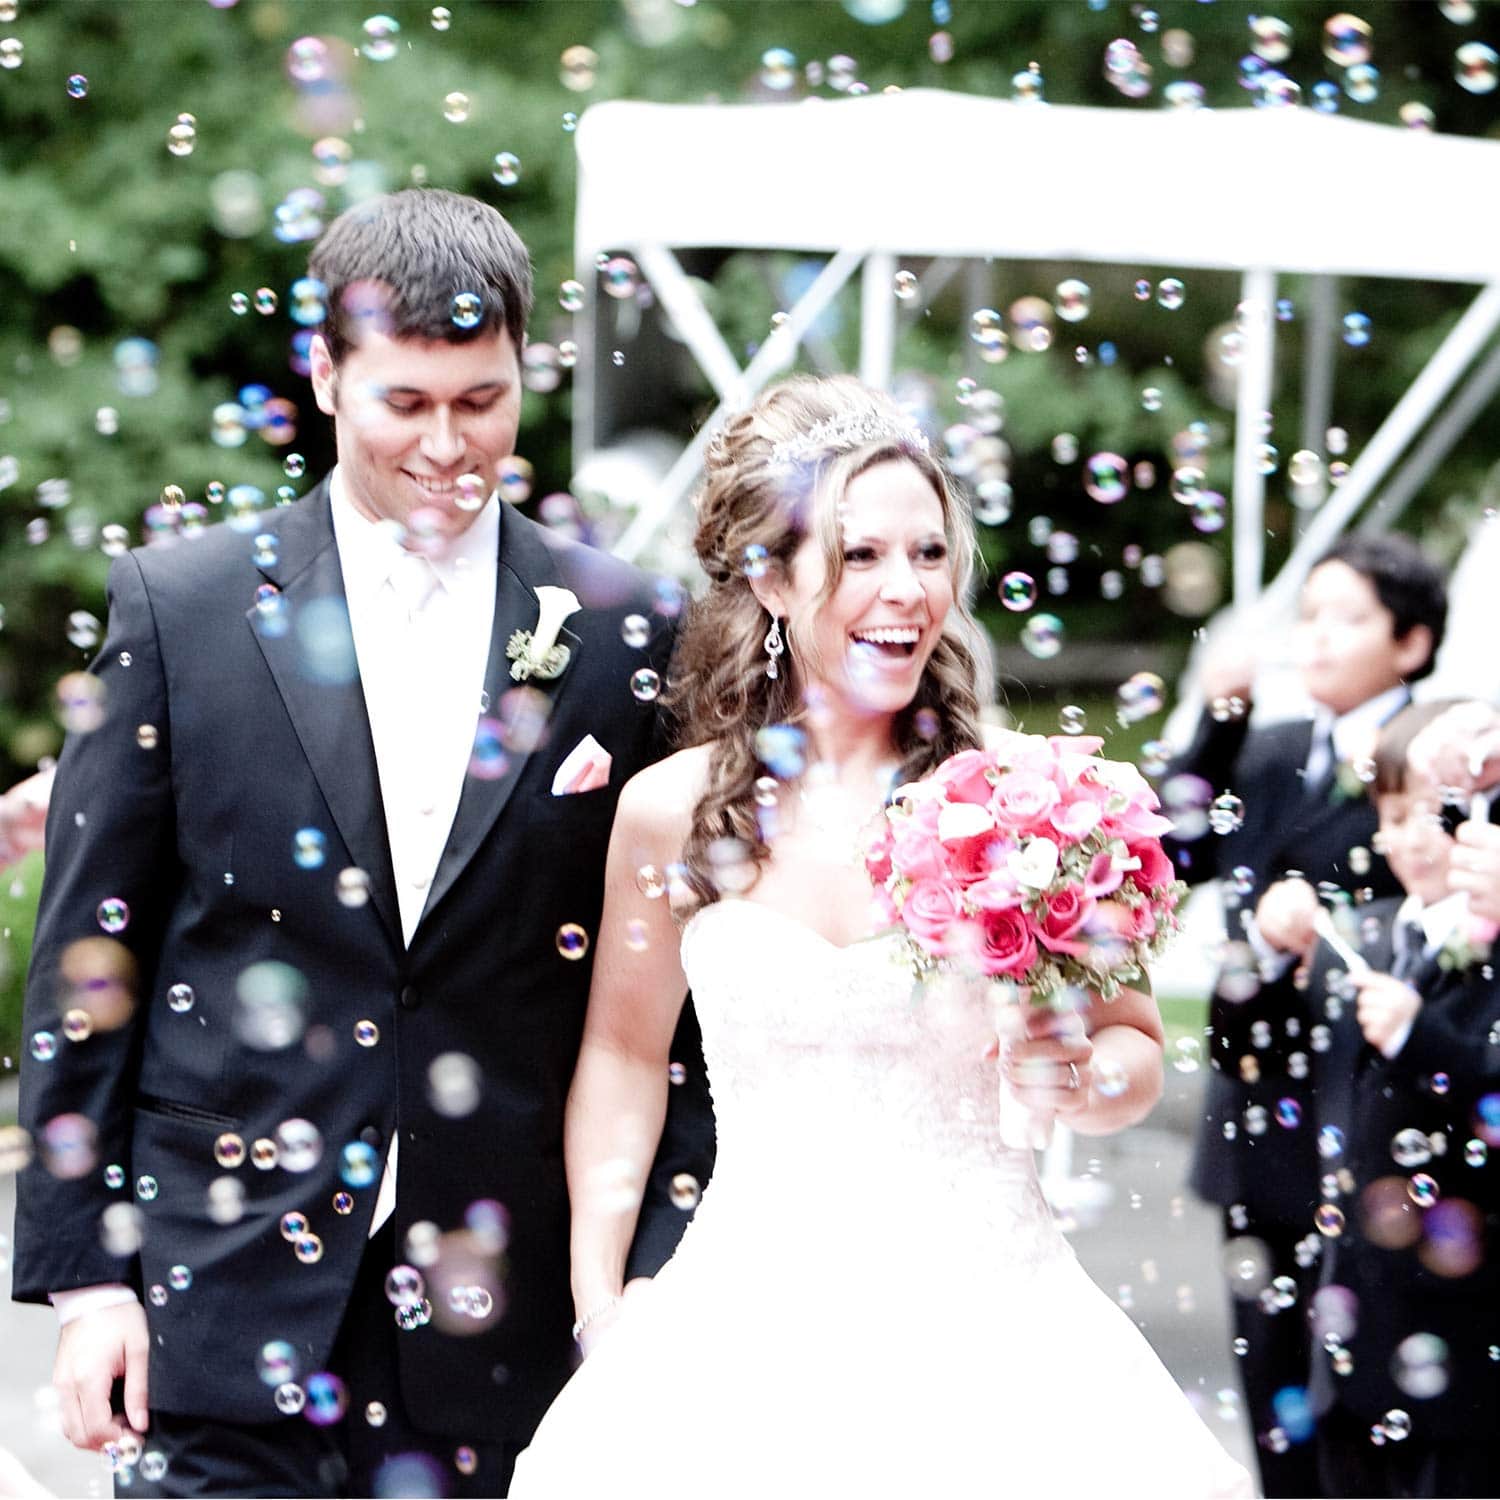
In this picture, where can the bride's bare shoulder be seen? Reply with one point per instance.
(658, 802)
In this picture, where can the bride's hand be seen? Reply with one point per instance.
(1047, 1060)
(600, 1326)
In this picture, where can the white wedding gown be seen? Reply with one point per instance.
(873, 1298)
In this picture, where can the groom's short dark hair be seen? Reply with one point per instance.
(408, 263)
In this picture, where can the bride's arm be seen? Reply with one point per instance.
(1117, 1043)
(618, 1099)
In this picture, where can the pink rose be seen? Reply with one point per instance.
(930, 910)
(996, 892)
(878, 857)
(1075, 744)
(1067, 911)
(1022, 799)
(917, 854)
(964, 776)
(970, 860)
(1009, 947)
(1075, 821)
(1156, 869)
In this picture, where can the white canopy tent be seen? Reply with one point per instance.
(924, 173)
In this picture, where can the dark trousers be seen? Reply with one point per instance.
(292, 1456)
(1350, 1464)
(1278, 1355)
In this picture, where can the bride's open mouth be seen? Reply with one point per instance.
(889, 643)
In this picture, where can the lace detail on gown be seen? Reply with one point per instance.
(873, 1298)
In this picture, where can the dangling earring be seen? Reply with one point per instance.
(774, 647)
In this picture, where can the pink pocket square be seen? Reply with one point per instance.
(585, 769)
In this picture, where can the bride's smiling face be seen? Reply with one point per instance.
(867, 643)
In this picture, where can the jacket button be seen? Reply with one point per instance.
(411, 997)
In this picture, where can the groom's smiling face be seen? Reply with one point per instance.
(413, 415)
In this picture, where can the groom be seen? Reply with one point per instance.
(325, 861)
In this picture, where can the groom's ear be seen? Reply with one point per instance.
(325, 375)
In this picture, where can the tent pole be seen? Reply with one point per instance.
(772, 356)
(1318, 352)
(1467, 337)
(1435, 445)
(1252, 397)
(692, 320)
(877, 320)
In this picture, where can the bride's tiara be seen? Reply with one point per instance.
(851, 431)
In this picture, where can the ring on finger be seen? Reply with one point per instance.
(1073, 1080)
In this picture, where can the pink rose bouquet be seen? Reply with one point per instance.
(1034, 862)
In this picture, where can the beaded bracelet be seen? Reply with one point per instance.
(592, 1314)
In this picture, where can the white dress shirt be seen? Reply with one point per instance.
(1438, 922)
(421, 627)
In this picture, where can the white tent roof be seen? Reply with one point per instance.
(925, 172)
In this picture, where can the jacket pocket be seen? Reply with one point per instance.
(188, 1114)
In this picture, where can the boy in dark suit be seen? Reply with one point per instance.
(1405, 1377)
(1371, 618)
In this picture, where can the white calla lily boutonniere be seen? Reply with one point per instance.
(536, 653)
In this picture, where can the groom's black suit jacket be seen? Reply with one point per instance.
(262, 732)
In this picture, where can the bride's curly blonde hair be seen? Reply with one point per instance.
(719, 691)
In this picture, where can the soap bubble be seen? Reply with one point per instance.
(379, 44)
(1107, 478)
(1018, 591)
(507, 168)
(1347, 40)
(1477, 67)
(1042, 636)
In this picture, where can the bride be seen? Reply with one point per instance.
(872, 1298)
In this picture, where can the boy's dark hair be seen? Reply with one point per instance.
(396, 263)
(1406, 581)
(1394, 743)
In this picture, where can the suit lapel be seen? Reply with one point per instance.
(322, 692)
(525, 562)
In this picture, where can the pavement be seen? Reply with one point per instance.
(1138, 1232)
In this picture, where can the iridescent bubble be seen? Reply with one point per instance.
(1187, 484)
(1072, 300)
(83, 630)
(782, 750)
(1270, 38)
(266, 301)
(467, 310)
(1139, 697)
(442, 18)
(1171, 293)
(1362, 83)
(1107, 478)
(327, 1397)
(1347, 40)
(359, 1165)
(572, 941)
(1423, 1190)
(778, 70)
(1072, 719)
(1151, 398)
(684, 1191)
(404, 1286)
(1018, 591)
(635, 631)
(229, 1150)
(1417, 116)
(352, 887)
(456, 107)
(1476, 67)
(1226, 814)
(1141, 290)
(645, 685)
(12, 51)
(1042, 636)
(1028, 85)
(1208, 512)
(183, 136)
(309, 847)
(1288, 1113)
(277, 1362)
(113, 915)
(986, 328)
(299, 1144)
(380, 43)
(290, 1399)
(569, 121)
(905, 286)
(1356, 329)
(578, 68)
(570, 296)
(1184, 94)
(146, 1188)
(307, 60)
(650, 883)
(269, 1012)
(78, 86)
(506, 169)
